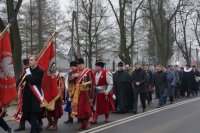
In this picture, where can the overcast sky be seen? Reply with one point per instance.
(64, 3)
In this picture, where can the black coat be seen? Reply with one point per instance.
(123, 91)
(160, 80)
(139, 76)
(188, 80)
(30, 102)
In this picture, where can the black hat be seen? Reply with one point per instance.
(99, 63)
(80, 61)
(25, 61)
(167, 66)
(73, 63)
(193, 66)
(120, 64)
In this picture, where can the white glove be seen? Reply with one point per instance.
(114, 97)
(28, 71)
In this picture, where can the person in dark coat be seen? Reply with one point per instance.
(182, 92)
(149, 84)
(139, 79)
(188, 80)
(196, 74)
(3, 123)
(123, 89)
(171, 84)
(160, 82)
(31, 104)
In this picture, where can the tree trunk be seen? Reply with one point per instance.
(40, 40)
(14, 37)
(90, 35)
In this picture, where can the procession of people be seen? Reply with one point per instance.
(42, 90)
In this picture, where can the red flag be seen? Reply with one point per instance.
(49, 82)
(8, 90)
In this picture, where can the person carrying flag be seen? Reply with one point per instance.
(33, 94)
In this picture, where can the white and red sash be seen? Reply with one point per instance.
(35, 90)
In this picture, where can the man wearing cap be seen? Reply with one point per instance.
(123, 90)
(103, 103)
(71, 86)
(83, 95)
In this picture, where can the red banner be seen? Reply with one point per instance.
(8, 90)
(49, 82)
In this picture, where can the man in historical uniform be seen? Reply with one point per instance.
(71, 86)
(103, 102)
(20, 99)
(83, 95)
(33, 94)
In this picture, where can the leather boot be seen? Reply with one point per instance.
(70, 119)
(50, 122)
(55, 124)
(107, 118)
(87, 124)
(82, 125)
(94, 118)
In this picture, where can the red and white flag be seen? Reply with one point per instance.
(8, 91)
(49, 82)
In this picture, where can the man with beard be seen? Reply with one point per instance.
(123, 89)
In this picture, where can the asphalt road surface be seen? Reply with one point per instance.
(181, 117)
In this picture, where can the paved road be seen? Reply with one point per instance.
(180, 117)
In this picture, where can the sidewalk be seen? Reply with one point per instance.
(10, 112)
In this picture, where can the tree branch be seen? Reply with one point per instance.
(117, 19)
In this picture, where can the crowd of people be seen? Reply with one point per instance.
(91, 93)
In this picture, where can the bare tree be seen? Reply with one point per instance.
(181, 36)
(196, 24)
(12, 12)
(157, 11)
(124, 48)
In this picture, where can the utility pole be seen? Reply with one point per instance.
(31, 19)
(55, 24)
(197, 54)
(77, 34)
(72, 37)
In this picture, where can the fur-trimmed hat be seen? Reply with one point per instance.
(73, 63)
(99, 63)
(80, 61)
(120, 64)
